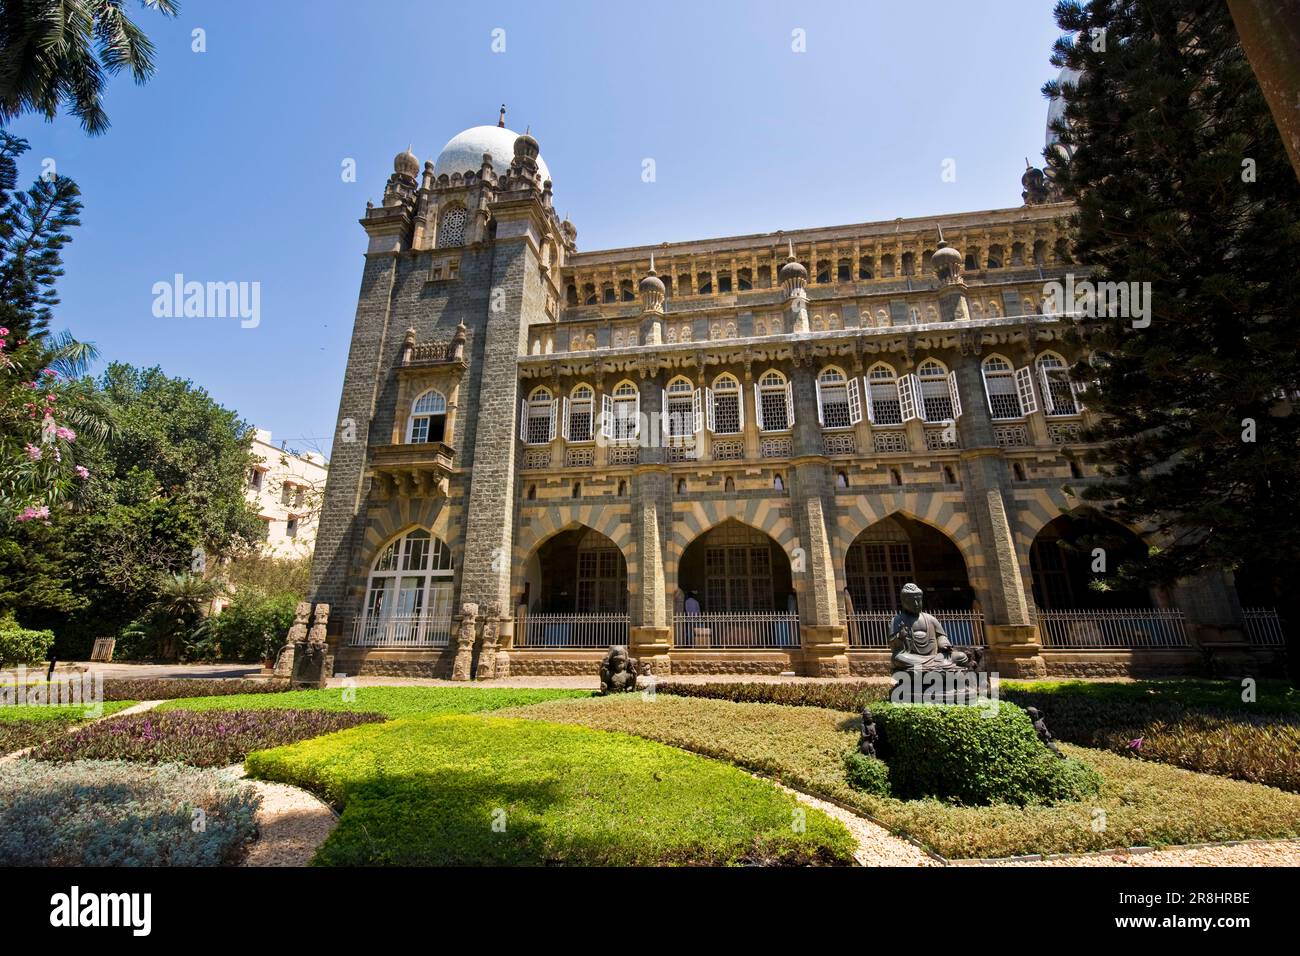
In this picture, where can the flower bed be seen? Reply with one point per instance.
(389, 701)
(22, 727)
(211, 738)
(110, 813)
(171, 688)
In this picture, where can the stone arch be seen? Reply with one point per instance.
(743, 584)
(699, 517)
(944, 512)
(390, 520)
(1061, 562)
(613, 523)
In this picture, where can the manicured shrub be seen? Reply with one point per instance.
(20, 645)
(974, 755)
(868, 774)
(108, 813)
(171, 688)
(210, 738)
(251, 628)
(851, 697)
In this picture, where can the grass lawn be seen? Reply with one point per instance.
(474, 790)
(1140, 803)
(1271, 696)
(22, 727)
(389, 701)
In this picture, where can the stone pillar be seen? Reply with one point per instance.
(1014, 645)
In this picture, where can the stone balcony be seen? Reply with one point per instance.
(411, 470)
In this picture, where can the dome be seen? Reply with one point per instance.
(945, 254)
(464, 152)
(407, 163)
(1056, 105)
(793, 269)
(652, 283)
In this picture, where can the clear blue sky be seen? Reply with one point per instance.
(226, 166)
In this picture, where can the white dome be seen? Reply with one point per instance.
(464, 152)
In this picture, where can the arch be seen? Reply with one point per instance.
(1072, 552)
(735, 567)
(944, 511)
(936, 391)
(577, 570)
(428, 419)
(696, 518)
(897, 549)
(611, 521)
(883, 403)
(580, 419)
(410, 584)
(451, 226)
(401, 514)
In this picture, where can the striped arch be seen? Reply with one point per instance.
(936, 510)
(613, 523)
(701, 516)
(402, 514)
(1038, 507)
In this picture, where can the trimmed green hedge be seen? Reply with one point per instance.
(974, 755)
(20, 645)
(868, 774)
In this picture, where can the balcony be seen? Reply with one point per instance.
(418, 468)
(401, 631)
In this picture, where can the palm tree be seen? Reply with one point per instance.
(57, 51)
(179, 609)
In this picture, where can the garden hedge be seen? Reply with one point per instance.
(20, 645)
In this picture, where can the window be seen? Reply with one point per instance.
(773, 402)
(1000, 384)
(601, 576)
(1058, 391)
(299, 495)
(255, 479)
(291, 528)
(537, 418)
(286, 493)
(681, 409)
(882, 396)
(937, 400)
(839, 401)
(725, 412)
(409, 595)
(428, 418)
(876, 567)
(738, 570)
(621, 413)
(451, 230)
(580, 414)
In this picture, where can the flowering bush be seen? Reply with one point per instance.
(209, 738)
(172, 688)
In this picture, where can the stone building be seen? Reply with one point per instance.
(728, 453)
(286, 487)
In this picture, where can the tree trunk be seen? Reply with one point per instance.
(1270, 35)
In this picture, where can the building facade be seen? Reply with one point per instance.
(287, 489)
(729, 453)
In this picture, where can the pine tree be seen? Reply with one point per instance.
(1181, 180)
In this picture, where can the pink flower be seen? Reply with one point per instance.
(3, 330)
(31, 513)
(33, 452)
(49, 373)
(67, 434)
(82, 471)
(1136, 744)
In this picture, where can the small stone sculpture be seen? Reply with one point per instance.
(297, 632)
(618, 671)
(1045, 735)
(870, 736)
(319, 624)
(487, 655)
(465, 642)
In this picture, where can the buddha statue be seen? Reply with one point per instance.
(918, 642)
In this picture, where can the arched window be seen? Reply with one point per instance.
(839, 402)
(883, 406)
(938, 403)
(580, 414)
(537, 417)
(773, 402)
(681, 409)
(621, 413)
(451, 228)
(1010, 391)
(428, 418)
(725, 412)
(1054, 380)
(409, 598)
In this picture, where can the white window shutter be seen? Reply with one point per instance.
(564, 419)
(758, 407)
(907, 397)
(708, 409)
(789, 405)
(606, 417)
(871, 408)
(665, 423)
(817, 383)
(1025, 389)
(855, 401)
(550, 428)
(740, 408)
(523, 420)
(956, 398)
(1077, 388)
(1049, 405)
(636, 421)
(988, 395)
(697, 412)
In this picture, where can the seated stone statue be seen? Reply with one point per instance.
(618, 671)
(918, 642)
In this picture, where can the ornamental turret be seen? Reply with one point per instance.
(947, 263)
(653, 294)
(794, 280)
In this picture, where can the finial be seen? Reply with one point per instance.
(528, 129)
(791, 241)
(940, 228)
(501, 120)
(652, 263)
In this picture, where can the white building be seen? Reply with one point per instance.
(286, 488)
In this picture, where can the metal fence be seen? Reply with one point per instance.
(1122, 628)
(1263, 629)
(871, 628)
(753, 630)
(572, 630)
(402, 631)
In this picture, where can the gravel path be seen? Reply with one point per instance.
(291, 823)
(876, 845)
(1263, 853)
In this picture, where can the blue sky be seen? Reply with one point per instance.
(227, 166)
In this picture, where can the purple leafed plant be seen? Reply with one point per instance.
(205, 738)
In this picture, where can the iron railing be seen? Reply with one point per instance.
(753, 630)
(1263, 628)
(871, 628)
(1120, 628)
(572, 630)
(403, 630)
